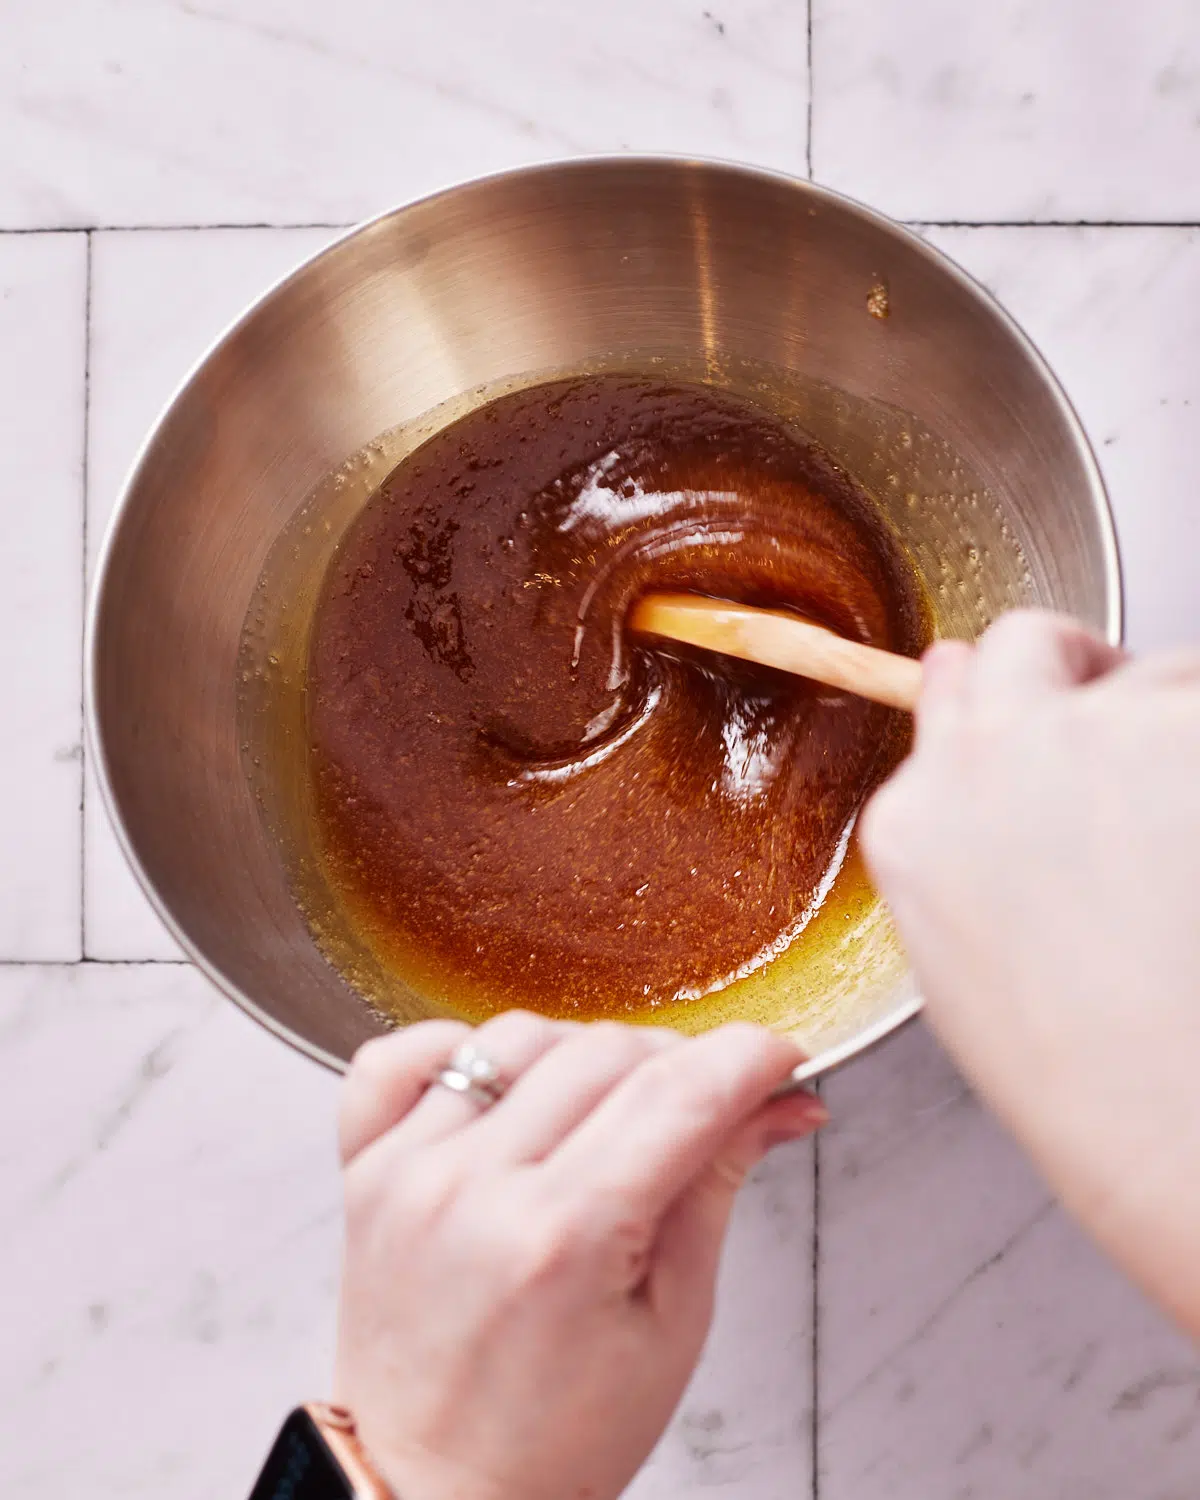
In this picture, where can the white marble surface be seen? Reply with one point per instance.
(268, 111)
(168, 1234)
(43, 292)
(168, 1199)
(1010, 110)
(972, 1343)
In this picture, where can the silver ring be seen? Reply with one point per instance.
(472, 1074)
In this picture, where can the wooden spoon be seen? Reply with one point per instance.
(776, 638)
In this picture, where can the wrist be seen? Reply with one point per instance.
(412, 1472)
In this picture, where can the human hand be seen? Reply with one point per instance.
(1040, 851)
(526, 1289)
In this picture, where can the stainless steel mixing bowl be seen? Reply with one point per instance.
(892, 358)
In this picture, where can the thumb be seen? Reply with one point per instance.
(688, 1249)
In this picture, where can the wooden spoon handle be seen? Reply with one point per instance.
(778, 639)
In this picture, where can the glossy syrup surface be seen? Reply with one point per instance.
(516, 803)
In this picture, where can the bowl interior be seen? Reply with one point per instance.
(940, 408)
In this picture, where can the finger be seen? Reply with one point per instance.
(512, 1042)
(945, 673)
(665, 1121)
(562, 1088)
(386, 1078)
(684, 1263)
(1032, 652)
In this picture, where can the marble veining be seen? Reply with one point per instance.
(1010, 111)
(216, 112)
(963, 1315)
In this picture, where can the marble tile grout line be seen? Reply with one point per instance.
(86, 460)
(96, 963)
(808, 145)
(1050, 223)
(815, 1392)
(34, 229)
(910, 223)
